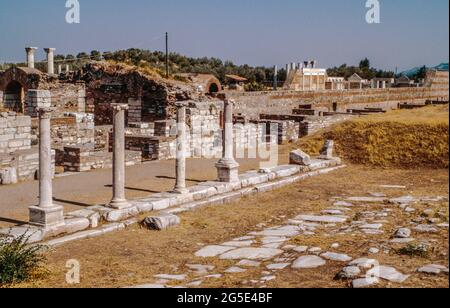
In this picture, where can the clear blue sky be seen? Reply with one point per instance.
(256, 32)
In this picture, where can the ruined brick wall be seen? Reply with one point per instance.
(86, 158)
(67, 97)
(253, 104)
(72, 129)
(107, 83)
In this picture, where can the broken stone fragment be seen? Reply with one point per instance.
(161, 222)
(8, 176)
(327, 150)
(298, 157)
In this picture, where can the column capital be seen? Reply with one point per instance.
(31, 49)
(181, 104)
(119, 106)
(48, 50)
(230, 102)
(45, 113)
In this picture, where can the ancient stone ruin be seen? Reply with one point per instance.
(109, 115)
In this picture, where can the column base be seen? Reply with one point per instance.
(48, 218)
(119, 204)
(228, 171)
(181, 191)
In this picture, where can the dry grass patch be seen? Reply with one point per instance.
(398, 139)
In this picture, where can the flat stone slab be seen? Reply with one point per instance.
(251, 254)
(402, 240)
(403, 200)
(336, 257)
(371, 226)
(367, 199)
(301, 249)
(364, 262)
(343, 203)
(212, 251)
(277, 266)
(306, 262)
(32, 234)
(288, 231)
(238, 243)
(349, 272)
(200, 268)
(170, 277)
(249, 263)
(364, 282)
(433, 269)
(425, 229)
(235, 270)
(273, 239)
(387, 273)
(323, 219)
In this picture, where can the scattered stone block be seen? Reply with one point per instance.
(8, 176)
(403, 233)
(121, 214)
(349, 272)
(298, 157)
(327, 150)
(364, 282)
(76, 224)
(161, 222)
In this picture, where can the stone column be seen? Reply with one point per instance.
(30, 56)
(46, 215)
(67, 68)
(119, 201)
(227, 167)
(180, 186)
(275, 78)
(50, 60)
(59, 69)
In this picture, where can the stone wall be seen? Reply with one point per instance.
(252, 104)
(85, 158)
(314, 124)
(72, 128)
(15, 132)
(20, 166)
(62, 97)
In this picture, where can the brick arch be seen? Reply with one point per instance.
(28, 78)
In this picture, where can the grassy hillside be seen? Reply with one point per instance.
(401, 138)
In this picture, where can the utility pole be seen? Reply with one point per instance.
(167, 55)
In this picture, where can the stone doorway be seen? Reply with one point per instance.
(14, 97)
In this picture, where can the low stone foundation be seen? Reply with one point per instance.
(207, 193)
(86, 158)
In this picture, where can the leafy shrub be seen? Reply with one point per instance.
(18, 260)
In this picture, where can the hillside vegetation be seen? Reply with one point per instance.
(401, 138)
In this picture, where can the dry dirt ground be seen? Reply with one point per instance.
(133, 256)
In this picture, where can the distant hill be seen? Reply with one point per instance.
(413, 71)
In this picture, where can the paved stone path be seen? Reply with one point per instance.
(267, 249)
